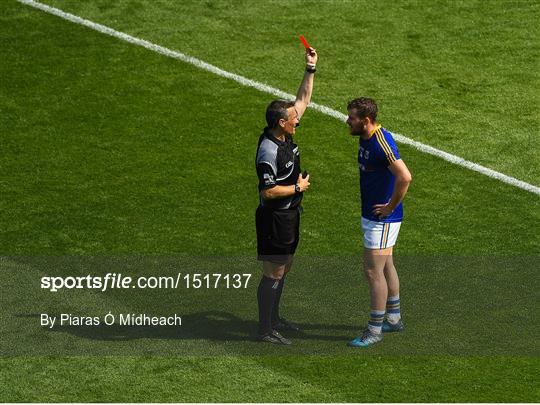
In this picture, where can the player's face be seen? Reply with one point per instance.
(292, 122)
(357, 125)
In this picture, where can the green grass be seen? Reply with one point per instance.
(463, 76)
(109, 149)
(117, 134)
(272, 379)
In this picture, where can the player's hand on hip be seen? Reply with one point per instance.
(382, 210)
(311, 55)
(302, 182)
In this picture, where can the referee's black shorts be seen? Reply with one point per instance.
(278, 232)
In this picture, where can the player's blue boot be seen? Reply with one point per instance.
(393, 327)
(368, 338)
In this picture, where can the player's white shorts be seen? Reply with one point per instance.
(380, 235)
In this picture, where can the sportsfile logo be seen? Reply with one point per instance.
(109, 281)
(120, 281)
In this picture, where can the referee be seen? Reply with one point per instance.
(281, 187)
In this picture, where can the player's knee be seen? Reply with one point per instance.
(372, 274)
(389, 268)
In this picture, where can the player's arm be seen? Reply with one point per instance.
(303, 96)
(403, 178)
(276, 192)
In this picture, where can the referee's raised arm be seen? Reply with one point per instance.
(303, 95)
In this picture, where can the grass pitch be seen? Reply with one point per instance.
(109, 149)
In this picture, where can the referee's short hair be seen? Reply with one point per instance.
(365, 107)
(276, 111)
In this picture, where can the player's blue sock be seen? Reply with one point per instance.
(375, 321)
(393, 309)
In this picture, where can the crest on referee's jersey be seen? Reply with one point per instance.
(268, 179)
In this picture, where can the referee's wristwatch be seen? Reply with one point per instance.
(297, 189)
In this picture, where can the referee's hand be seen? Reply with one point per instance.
(311, 56)
(302, 182)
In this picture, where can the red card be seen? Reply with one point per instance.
(304, 42)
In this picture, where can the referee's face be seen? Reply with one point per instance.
(292, 121)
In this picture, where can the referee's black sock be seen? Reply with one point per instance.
(275, 309)
(266, 294)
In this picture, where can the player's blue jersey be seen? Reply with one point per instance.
(376, 181)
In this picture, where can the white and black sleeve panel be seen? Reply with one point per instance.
(267, 176)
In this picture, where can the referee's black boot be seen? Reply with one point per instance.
(274, 337)
(284, 325)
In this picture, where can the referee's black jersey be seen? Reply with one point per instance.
(278, 164)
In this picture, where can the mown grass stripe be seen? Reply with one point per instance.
(276, 92)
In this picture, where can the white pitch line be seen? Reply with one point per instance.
(276, 92)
